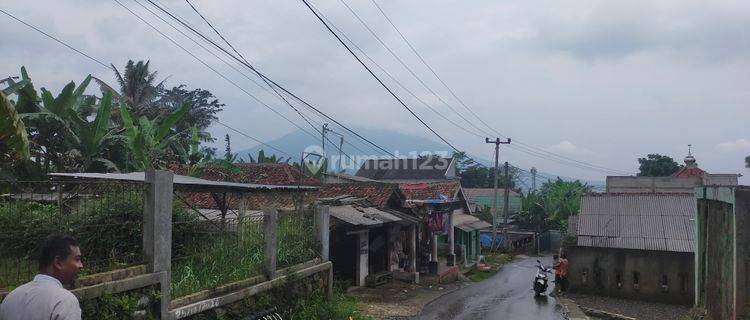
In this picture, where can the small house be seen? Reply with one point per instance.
(635, 246)
(371, 240)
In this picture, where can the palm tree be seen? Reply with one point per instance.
(138, 87)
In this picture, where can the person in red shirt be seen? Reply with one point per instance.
(561, 273)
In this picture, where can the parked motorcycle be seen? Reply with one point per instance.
(540, 280)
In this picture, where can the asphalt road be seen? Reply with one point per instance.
(507, 295)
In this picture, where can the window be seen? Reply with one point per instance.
(664, 283)
(618, 279)
(684, 282)
(636, 280)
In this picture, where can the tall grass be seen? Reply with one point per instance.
(223, 257)
(218, 259)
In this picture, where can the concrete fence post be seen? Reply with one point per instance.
(157, 231)
(270, 219)
(322, 221)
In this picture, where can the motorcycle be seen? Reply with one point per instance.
(540, 280)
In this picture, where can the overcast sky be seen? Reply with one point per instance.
(597, 81)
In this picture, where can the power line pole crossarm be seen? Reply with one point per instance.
(497, 142)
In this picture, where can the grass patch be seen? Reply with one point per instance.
(219, 260)
(224, 257)
(340, 306)
(495, 260)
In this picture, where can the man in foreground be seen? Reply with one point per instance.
(44, 297)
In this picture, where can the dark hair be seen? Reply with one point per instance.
(554, 256)
(564, 255)
(57, 245)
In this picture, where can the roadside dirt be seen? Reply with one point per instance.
(399, 300)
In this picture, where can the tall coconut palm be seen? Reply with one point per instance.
(138, 87)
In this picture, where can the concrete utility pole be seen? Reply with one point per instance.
(341, 143)
(497, 143)
(506, 193)
(533, 179)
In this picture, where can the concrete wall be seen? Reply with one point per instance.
(723, 226)
(742, 212)
(596, 271)
(720, 180)
(630, 184)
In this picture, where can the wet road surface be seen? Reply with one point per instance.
(507, 295)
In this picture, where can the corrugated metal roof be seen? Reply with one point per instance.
(362, 216)
(661, 222)
(185, 181)
(468, 223)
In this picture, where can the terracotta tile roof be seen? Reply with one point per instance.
(689, 171)
(255, 201)
(378, 194)
(431, 190)
(260, 173)
(263, 173)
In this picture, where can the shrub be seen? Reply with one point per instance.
(108, 229)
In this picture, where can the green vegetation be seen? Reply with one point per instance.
(141, 127)
(495, 261)
(221, 258)
(550, 207)
(122, 306)
(216, 260)
(475, 175)
(294, 303)
(656, 165)
(108, 230)
(339, 306)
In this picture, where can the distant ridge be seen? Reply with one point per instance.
(399, 143)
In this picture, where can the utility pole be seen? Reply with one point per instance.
(497, 143)
(505, 206)
(533, 179)
(323, 138)
(341, 142)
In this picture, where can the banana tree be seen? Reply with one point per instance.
(13, 136)
(53, 123)
(150, 141)
(94, 136)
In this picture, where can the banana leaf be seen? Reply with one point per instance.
(12, 131)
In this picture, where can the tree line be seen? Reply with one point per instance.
(135, 125)
(139, 126)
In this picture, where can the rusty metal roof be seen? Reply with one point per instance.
(362, 216)
(660, 222)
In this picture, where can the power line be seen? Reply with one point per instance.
(343, 34)
(184, 49)
(57, 40)
(249, 66)
(377, 78)
(267, 83)
(520, 145)
(110, 68)
(211, 68)
(413, 74)
(252, 138)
